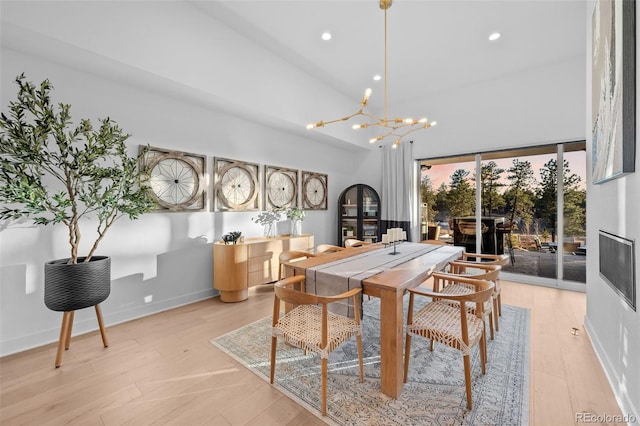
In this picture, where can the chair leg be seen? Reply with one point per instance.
(407, 355)
(324, 386)
(467, 379)
(64, 329)
(483, 351)
(274, 343)
(496, 312)
(103, 332)
(499, 304)
(491, 324)
(360, 356)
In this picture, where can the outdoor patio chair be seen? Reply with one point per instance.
(468, 231)
(310, 326)
(451, 325)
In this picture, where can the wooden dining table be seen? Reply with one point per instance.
(390, 286)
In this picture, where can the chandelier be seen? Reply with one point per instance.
(396, 128)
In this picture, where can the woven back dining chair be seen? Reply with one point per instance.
(478, 272)
(451, 325)
(328, 248)
(310, 326)
(286, 256)
(352, 242)
(488, 259)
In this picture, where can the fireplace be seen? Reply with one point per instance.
(617, 265)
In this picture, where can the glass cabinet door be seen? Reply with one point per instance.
(359, 214)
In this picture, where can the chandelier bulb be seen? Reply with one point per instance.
(365, 99)
(394, 127)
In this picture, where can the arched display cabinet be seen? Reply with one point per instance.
(359, 214)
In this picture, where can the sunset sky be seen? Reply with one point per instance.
(576, 159)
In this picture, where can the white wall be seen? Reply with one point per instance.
(147, 87)
(614, 328)
(538, 106)
(165, 255)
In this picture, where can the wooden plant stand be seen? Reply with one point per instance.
(65, 333)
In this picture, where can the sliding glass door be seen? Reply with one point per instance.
(513, 202)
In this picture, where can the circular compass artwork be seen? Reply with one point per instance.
(281, 189)
(175, 180)
(237, 186)
(314, 191)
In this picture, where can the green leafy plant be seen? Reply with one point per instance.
(295, 213)
(55, 172)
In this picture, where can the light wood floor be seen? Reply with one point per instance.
(162, 369)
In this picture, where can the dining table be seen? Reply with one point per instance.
(382, 271)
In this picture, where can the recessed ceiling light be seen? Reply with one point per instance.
(326, 36)
(377, 77)
(494, 36)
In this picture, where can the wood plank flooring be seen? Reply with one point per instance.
(162, 369)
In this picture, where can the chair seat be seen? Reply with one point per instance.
(457, 288)
(440, 321)
(294, 328)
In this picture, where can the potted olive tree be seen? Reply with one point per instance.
(54, 171)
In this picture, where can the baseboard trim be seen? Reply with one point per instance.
(89, 324)
(626, 406)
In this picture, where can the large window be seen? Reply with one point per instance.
(513, 202)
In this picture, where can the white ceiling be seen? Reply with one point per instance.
(433, 45)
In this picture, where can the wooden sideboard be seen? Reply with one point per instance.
(236, 267)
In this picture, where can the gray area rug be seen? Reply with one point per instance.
(434, 393)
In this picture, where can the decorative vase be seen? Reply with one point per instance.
(269, 230)
(296, 227)
(69, 287)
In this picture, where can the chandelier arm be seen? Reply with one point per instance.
(415, 129)
(393, 125)
(373, 117)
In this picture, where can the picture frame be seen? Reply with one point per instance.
(280, 187)
(237, 185)
(315, 190)
(613, 90)
(177, 179)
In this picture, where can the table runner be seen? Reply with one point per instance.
(342, 275)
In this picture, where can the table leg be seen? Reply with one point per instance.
(391, 339)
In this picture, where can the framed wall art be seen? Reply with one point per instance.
(237, 185)
(314, 191)
(280, 187)
(177, 180)
(613, 89)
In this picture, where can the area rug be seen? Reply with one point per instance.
(434, 393)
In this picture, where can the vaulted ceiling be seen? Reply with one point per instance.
(247, 56)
